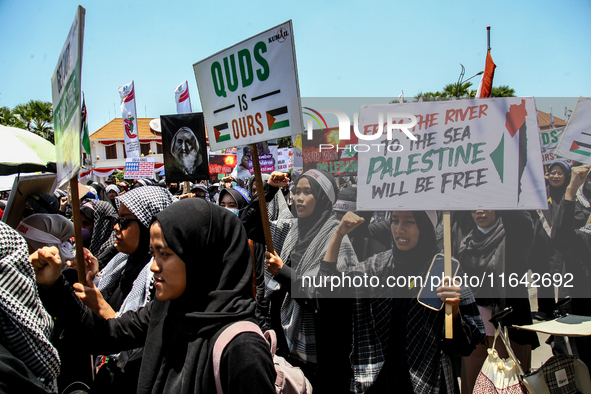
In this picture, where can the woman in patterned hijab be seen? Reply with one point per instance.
(97, 223)
(28, 361)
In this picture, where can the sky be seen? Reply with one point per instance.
(344, 48)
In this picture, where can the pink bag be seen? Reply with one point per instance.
(290, 379)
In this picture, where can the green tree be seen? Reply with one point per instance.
(464, 92)
(284, 142)
(37, 116)
(8, 118)
(502, 91)
(457, 90)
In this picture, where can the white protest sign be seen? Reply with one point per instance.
(549, 140)
(284, 159)
(575, 143)
(469, 154)
(139, 167)
(246, 90)
(65, 87)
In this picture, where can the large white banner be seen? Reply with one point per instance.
(129, 115)
(246, 90)
(468, 154)
(575, 143)
(183, 101)
(65, 89)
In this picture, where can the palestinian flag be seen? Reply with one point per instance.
(273, 122)
(85, 138)
(577, 147)
(218, 130)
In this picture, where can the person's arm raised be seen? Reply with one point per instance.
(47, 265)
(348, 223)
(577, 179)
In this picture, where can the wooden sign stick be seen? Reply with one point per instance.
(254, 153)
(449, 327)
(186, 187)
(78, 230)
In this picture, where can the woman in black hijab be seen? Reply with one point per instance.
(202, 274)
(544, 258)
(308, 324)
(235, 199)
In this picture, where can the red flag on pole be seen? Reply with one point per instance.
(486, 82)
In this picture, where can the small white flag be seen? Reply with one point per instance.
(183, 101)
(129, 115)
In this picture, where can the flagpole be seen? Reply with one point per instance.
(488, 37)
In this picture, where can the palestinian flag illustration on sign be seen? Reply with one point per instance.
(578, 146)
(217, 130)
(273, 122)
(515, 124)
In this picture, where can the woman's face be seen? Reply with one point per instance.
(228, 201)
(127, 238)
(404, 230)
(556, 176)
(304, 199)
(170, 275)
(244, 161)
(484, 218)
(200, 193)
(86, 223)
(112, 194)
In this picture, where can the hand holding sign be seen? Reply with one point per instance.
(450, 294)
(93, 299)
(578, 177)
(90, 264)
(273, 263)
(349, 222)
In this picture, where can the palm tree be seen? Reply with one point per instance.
(502, 91)
(8, 118)
(456, 90)
(37, 116)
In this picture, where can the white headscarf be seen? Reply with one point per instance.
(43, 229)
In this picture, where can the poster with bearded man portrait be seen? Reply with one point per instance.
(185, 147)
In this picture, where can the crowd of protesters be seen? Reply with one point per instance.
(169, 266)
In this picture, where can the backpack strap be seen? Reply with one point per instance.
(220, 344)
(271, 338)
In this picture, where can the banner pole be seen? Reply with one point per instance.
(186, 187)
(254, 153)
(488, 37)
(78, 229)
(449, 333)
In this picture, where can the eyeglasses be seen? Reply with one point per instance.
(123, 222)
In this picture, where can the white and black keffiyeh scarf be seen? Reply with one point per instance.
(24, 323)
(145, 202)
(140, 292)
(103, 236)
